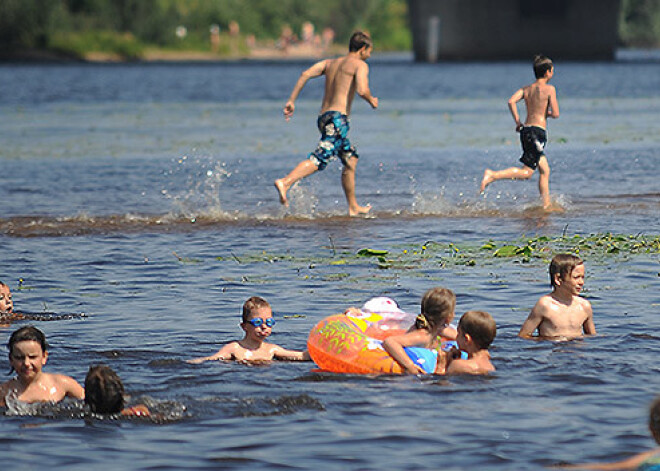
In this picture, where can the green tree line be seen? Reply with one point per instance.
(128, 27)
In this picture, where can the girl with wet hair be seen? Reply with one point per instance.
(28, 354)
(437, 312)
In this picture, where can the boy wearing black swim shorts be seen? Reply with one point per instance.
(541, 102)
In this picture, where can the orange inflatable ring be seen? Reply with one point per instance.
(352, 342)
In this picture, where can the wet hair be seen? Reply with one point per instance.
(251, 305)
(480, 326)
(104, 391)
(359, 39)
(654, 419)
(27, 333)
(541, 65)
(563, 264)
(437, 308)
(4, 284)
(23, 334)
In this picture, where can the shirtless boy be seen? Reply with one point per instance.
(28, 353)
(257, 322)
(541, 102)
(344, 77)
(476, 331)
(562, 314)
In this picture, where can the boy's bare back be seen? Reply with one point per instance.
(555, 318)
(342, 77)
(540, 97)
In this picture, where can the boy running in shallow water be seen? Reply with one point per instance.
(541, 102)
(257, 323)
(562, 314)
(28, 353)
(344, 76)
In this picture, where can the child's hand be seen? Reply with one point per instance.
(352, 311)
(196, 361)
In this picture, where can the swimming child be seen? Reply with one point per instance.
(541, 102)
(437, 312)
(104, 393)
(645, 461)
(257, 322)
(28, 353)
(344, 77)
(476, 331)
(6, 303)
(562, 314)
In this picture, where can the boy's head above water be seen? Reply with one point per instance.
(480, 326)
(104, 391)
(6, 303)
(562, 267)
(257, 318)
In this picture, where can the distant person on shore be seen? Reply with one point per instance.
(104, 393)
(645, 461)
(562, 314)
(257, 322)
(28, 354)
(476, 331)
(541, 102)
(344, 76)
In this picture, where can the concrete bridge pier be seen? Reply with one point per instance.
(514, 29)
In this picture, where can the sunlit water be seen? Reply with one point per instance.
(141, 197)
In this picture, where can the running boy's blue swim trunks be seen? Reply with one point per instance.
(334, 142)
(533, 140)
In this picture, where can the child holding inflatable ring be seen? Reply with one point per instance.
(437, 312)
(257, 322)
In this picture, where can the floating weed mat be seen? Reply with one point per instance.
(594, 247)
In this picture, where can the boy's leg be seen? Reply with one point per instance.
(514, 173)
(304, 169)
(348, 184)
(544, 182)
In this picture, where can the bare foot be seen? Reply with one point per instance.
(553, 208)
(359, 210)
(487, 180)
(281, 189)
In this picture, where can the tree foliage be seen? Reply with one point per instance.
(127, 26)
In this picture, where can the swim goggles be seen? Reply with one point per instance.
(258, 322)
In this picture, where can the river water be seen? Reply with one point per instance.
(141, 195)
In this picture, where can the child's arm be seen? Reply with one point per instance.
(69, 386)
(448, 332)
(513, 108)
(533, 321)
(394, 346)
(139, 410)
(225, 353)
(553, 105)
(316, 70)
(589, 327)
(628, 464)
(294, 355)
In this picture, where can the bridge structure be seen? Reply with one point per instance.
(514, 29)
